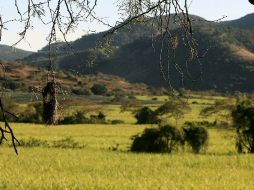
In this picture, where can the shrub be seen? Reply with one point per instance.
(155, 98)
(243, 121)
(132, 97)
(173, 108)
(67, 142)
(99, 89)
(80, 118)
(85, 92)
(33, 114)
(117, 121)
(146, 116)
(130, 105)
(77, 118)
(203, 124)
(164, 140)
(100, 118)
(32, 142)
(196, 137)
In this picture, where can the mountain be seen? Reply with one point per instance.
(227, 66)
(11, 53)
(245, 22)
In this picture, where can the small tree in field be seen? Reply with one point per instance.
(146, 116)
(243, 120)
(196, 137)
(164, 139)
(99, 89)
(174, 109)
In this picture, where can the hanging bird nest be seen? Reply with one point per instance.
(50, 104)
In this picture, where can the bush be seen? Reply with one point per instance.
(77, 118)
(85, 92)
(32, 116)
(67, 142)
(196, 137)
(164, 140)
(99, 89)
(203, 124)
(32, 142)
(243, 120)
(80, 118)
(146, 116)
(132, 97)
(173, 108)
(154, 98)
(117, 121)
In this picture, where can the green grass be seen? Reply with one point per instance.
(98, 166)
(102, 160)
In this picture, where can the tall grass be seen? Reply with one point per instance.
(97, 166)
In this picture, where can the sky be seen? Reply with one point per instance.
(36, 37)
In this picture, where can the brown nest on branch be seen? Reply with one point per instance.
(50, 104)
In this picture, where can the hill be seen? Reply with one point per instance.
(245, 22)
(227, 66)
(25, 78)
(11, 53)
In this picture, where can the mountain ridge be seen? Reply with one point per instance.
(9, 53)
(228, 46)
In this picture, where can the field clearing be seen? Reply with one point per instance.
(100, 165)
(113, 111)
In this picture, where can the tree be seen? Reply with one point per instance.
(243, 120)
(175, 108)
(146, 116)
(221, 108)
(163, 139)
(99, 89)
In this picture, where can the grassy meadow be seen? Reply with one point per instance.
(97, 156)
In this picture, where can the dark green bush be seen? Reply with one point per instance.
(243, 120)
(77, 118)
(196, 137)
(202, 124)
(80, 118)
(100, 118)
(164, 140)
(132, 97)
(85, 92)
(146, 116)
(117, 121)
(99, 89)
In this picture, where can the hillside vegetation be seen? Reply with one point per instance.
(19, 77)
(11, 53)
(227, 65)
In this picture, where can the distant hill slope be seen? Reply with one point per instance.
(11, 53)
(228, 66)
(246, 22)
(19, 77)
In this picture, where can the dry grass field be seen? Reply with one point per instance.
(97, 156)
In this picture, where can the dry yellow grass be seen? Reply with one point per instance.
(243, 53)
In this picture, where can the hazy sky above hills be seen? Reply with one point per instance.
(36, 38)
